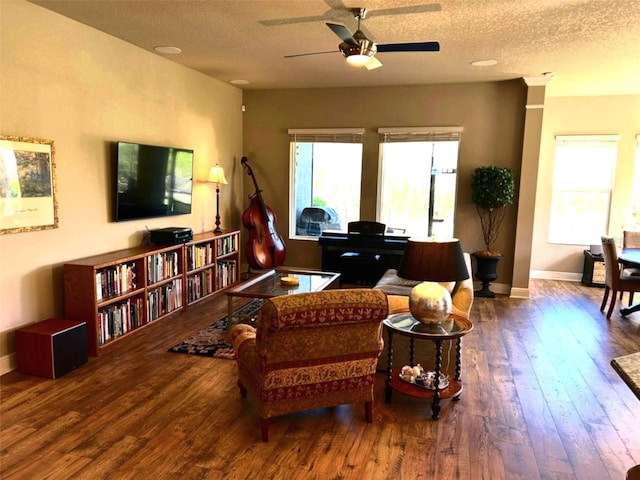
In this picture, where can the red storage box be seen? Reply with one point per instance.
(52, 347)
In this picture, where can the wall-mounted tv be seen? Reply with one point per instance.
(152, 181)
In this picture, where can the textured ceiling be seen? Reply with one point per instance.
(592, 47)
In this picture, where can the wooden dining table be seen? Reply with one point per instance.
(630, 258)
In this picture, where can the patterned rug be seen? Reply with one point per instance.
(211, 342)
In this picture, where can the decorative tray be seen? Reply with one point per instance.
(425, 379)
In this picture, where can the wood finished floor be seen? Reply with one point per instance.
(540, 401)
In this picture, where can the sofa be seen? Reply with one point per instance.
(397, 290)
(311, 350)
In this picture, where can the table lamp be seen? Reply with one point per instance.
(216, 175)
(432, 260)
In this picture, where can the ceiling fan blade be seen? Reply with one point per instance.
(289, 21)
(410, 47)
(342, 32)
(429, 7)
(373, 63)
(307, 54)
(337, 9)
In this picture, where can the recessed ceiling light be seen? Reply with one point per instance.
(484, 63)
(239, 82)
(167, 49)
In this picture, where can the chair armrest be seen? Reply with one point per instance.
(462, 300)
(240, 334)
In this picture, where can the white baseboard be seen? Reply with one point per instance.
(550, 275)
(7, 363)
(519, 292)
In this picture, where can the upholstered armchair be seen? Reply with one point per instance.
(398, 289)
(311, 350)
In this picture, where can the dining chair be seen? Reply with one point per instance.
(615, 280)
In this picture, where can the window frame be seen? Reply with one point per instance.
(316, 135)
(556, 237)
(416, 134)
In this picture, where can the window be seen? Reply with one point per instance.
(418, 179)
(634, 221)
(582, 183)
(326, 168)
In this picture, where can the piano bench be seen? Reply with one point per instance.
(357, 267)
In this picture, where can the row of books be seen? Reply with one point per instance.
(116, 280)
(200, 285)
(164, 299)
(199, 255)
(226, 245)
(118, 319)
(226, 273)
(162, 265)
(203, 283)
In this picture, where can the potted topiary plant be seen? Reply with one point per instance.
(492, 190)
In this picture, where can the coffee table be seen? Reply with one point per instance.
(268, 285)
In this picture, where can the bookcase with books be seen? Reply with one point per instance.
(119, 292)
(212, 264)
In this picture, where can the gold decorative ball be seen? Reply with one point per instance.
(430, 302)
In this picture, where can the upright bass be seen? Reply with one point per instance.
(265, 247)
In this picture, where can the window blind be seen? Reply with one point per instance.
(420, 134)
(589, 141)
(327, 135)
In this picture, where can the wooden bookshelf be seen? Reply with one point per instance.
(117, 293)
(212, 264)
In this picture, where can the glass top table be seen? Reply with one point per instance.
(269, 285)
(405, 324)
(453, 328)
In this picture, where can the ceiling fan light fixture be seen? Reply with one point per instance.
(358, 60)
(358, 55)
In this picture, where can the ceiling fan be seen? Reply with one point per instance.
(360, 50)
(338, 10)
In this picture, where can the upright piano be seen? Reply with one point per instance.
(334, 243)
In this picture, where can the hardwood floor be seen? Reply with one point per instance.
(540, 401)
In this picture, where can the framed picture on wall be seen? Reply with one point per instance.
(27, 185)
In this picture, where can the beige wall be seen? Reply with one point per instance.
(492, 115)
(84, 89)
(582, 115)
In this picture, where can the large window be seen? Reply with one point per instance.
(326, 168)
(418, 179)
(633, 223)
(582, 183)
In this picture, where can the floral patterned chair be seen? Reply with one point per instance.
(311, 350)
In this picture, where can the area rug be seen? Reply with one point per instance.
(211, 342)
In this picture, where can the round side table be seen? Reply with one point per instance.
(454, 328)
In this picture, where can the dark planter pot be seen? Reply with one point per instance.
(486, 272)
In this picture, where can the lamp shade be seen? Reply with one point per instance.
(433, 260)
(216, 175)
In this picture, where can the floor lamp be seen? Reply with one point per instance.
(216, 175)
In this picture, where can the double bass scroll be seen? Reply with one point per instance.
(264, 247)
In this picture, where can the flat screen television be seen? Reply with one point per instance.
(152, 181)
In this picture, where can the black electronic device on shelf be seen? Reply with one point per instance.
(171, 235)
